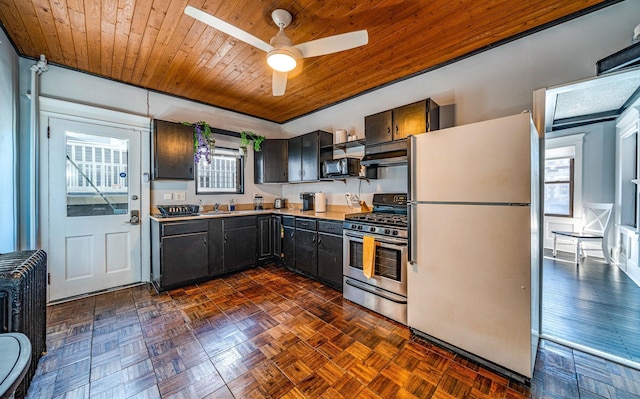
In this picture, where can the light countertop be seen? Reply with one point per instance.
(211, 214)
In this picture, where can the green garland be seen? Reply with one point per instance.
(247, 137)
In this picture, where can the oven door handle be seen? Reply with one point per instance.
(383, 240)
(373, 290)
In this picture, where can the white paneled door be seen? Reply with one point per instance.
(94, 190)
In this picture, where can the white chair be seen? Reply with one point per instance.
(595, 227)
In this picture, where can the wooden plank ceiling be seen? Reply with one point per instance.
(153, 44)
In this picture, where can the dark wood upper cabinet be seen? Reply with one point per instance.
(398, 123)
(271, 163)
(306, 153)
(378, 127)
(172, 151)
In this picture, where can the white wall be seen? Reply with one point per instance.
(495, 83)
(492, 84)
(82, 88)
(8, 145)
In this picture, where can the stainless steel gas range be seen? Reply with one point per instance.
(386, 291)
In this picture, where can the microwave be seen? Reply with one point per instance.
(341, 167)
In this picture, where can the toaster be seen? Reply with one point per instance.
(279, 203)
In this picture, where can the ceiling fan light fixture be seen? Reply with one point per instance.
(281, 60)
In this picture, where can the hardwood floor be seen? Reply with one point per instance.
(595, 305)
(269, 333)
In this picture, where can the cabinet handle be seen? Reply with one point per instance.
(291, 235)
(388, 130)
(319, 241)
(396, 128)
(313, 240)
(225, 238)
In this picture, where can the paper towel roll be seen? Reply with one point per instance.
(321, 202)
(341, 136)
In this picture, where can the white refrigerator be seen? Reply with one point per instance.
(473, 273)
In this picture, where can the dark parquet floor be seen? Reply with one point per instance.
(595, 305)
(269, 333)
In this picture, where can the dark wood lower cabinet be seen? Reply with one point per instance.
(169, 266)
(240, 246)
(189, 251)
(330, 259)
(289, 247)
(307, 252)
(216, 241)
(314, 248)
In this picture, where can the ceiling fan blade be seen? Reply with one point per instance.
(278, 83)
(227, 28)
(333, 44)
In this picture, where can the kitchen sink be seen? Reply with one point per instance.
(215, 213)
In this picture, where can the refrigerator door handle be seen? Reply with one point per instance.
(412, 233)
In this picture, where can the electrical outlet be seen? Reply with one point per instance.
(180, 196)
(167, 196)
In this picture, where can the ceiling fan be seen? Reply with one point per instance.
(282, 55)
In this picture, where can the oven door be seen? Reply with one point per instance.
(390, 261)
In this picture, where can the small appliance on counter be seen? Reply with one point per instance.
(341, 167)
(167, 211)
(307, 201)
(279, 203)
(258, 202)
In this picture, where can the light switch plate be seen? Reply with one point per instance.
(180, 196)
(167, 196)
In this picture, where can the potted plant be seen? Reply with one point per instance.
(203, 141)
(247, 137)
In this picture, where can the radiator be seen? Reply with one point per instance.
(23, 290)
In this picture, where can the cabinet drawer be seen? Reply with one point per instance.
(308, 224)
(239, 221)
(332, 227)
(289, 221)
(175, 228)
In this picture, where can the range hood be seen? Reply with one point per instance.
(392, 153)
(390, 158)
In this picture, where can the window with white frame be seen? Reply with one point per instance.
(223, 175)
(558, 187)
(563, 175)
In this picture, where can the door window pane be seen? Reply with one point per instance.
(96, 184)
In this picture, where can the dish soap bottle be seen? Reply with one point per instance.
(232, 205)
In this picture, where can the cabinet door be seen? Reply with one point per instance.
(295, 159)
(276, 236)
(310, 157)
(410, 119)
(215, 247)
(179, 268)
(377, 128)
(271, 163)
(240, 242)
(172, 151)
(307, 252)
(330, 259)
(289, 247)
(264, 237)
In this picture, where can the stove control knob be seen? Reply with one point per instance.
(372, 229)
(387, 231)
(394, 232)
(359, 227)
